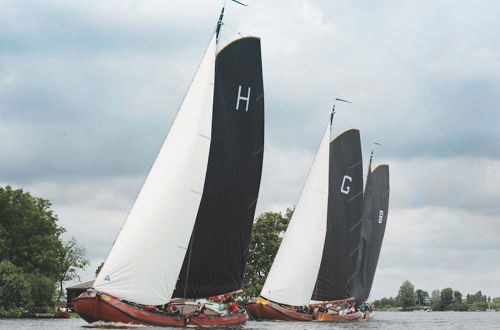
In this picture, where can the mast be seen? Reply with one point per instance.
(219, 24)
(331, 116)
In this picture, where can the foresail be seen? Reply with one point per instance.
(295, 268)
(340, 253)
(215, 261)
(144, 263)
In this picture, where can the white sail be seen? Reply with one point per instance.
(295, 269)
(145, 261)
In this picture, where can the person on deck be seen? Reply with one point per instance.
(351, 309)
(200, 311)
(174, 311)
(232, 308)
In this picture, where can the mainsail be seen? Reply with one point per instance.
(215, 260)
(295, 269)
(340, 253)
(375, 210)
(144, 263)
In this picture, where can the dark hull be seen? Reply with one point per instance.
(272, 311)
(100, 307)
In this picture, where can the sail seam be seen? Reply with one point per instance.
(204, 136)
(253, 203)
(355, 250)
(354, 165)
(356, 224)
(353, 197)
(258, 151)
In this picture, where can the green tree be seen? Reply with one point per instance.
(267, 232)
(446, 299)
(458, 304)
(42, 291)
(99, 269)
(406, 294)
(29, 234)
(15, 293)
(71, 258)
(496, 303)
(435, 300)
(384, 303)
(422, 297)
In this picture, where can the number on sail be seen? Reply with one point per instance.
(380, 216)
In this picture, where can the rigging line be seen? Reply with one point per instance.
(344, 119)
(189, 262)
(226, 26)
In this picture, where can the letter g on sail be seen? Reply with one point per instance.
(344, 188)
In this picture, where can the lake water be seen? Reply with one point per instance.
(381, 320)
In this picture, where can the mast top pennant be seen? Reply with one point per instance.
(241, 3)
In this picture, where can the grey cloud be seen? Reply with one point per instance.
(467, 184)
(89, 89)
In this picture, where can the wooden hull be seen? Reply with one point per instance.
(267, 310)
(62, 315)
(94, 307)
(325, 317)
(273, 311)
(367, 315)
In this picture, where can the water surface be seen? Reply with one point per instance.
(381, 320)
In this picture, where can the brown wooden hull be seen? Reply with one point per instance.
(367, 315)
(62, 315)
(273, 311)
(100, 307)
(325, 317)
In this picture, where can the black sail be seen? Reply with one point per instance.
(215, 260)
(345, 199)
(375, 210)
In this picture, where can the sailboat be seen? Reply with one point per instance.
(188, 232)
(319, 252)
(375, 212)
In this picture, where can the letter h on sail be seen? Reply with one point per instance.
(244, 98)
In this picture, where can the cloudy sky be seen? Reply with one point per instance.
(89, 88)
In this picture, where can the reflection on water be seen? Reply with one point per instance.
(381, 320)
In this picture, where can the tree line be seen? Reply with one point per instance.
(34, 259)
(447, 299)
